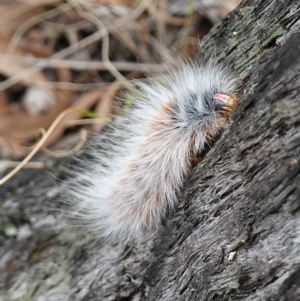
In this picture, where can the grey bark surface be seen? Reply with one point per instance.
(236, 232)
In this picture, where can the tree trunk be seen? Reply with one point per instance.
(236, 233)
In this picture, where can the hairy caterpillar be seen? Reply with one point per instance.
(144, 156)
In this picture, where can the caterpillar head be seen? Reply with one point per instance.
(205, 94)
(224, 103)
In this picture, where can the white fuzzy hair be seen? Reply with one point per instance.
(140, 161)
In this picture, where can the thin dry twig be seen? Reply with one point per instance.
(82, 24)
(76, 87)
(161, 26)
(88, 65)
(31, 165)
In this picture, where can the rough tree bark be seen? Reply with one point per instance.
(236, 233)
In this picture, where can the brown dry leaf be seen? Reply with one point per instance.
(37, 50)
(64, 75)
(13, 15)
(105, 105)
(4, 104)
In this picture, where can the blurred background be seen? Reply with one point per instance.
(76, 58)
